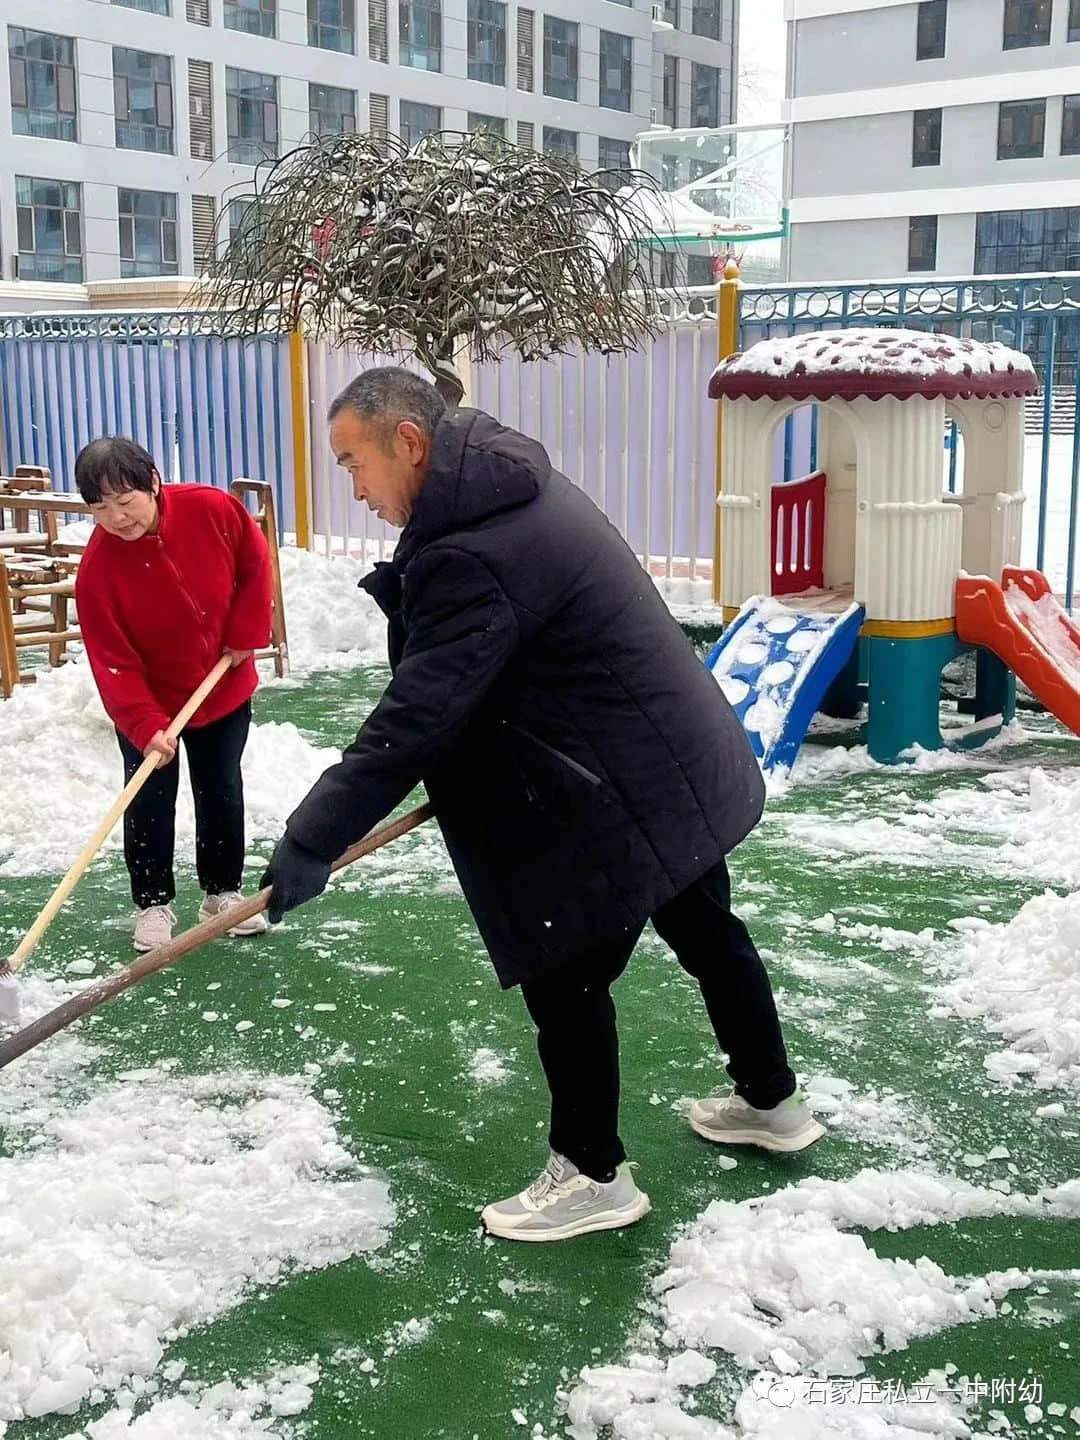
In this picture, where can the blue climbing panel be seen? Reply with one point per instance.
(775, 665)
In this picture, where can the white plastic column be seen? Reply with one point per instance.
(993, 433)
(746, 501)
(908, 541)
(838, 458)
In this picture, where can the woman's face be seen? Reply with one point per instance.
(128, 514)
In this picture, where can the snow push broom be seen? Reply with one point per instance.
(9, 968)
(101, 990)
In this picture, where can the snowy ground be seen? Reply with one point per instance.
(144, 1202)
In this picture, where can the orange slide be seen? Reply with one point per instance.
(1023, 623)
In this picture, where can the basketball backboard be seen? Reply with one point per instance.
(720, 186)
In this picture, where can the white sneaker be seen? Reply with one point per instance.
(562, 1202)
(153, 927)
(228, 900)
(787, 1127)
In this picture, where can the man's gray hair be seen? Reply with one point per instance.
(389, 394)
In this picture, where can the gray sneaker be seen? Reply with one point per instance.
(562, 1202)
(788, 1126)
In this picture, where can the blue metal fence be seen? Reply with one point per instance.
(208, 409)
(1039, 314)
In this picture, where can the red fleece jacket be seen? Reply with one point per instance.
(156, 613)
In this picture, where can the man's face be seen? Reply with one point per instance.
(386, 470)
(128, 514)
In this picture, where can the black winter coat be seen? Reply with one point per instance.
(583, 764)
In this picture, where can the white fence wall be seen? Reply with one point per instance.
(637, 432)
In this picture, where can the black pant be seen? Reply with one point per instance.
(213, 753)
(578, 1040)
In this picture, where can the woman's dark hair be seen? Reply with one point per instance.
(111, 465)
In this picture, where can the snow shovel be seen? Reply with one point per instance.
(101, 990)
(9, 990)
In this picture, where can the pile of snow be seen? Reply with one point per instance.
(62, 771)
(1023, 980)
(330, 623)
(209, 1412)
(151, 1205)
(780, 1284)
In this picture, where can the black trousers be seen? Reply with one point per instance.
(213, 753)
(578, 1040)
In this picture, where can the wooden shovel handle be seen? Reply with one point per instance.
(103, 831)
(94, 995)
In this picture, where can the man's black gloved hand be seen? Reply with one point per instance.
(296, 875)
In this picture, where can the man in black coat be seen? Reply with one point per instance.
(585, 769)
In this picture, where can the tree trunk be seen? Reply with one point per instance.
(447, 381)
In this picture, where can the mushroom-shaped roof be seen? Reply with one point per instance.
(843, 364)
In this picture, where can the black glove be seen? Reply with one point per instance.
(296, 875)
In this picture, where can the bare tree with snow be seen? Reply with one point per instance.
(457, 240)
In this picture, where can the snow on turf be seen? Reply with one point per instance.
(62, 771)
(1023, 981)
(782, 1286)
(1030, 814)
(210, 1412)
(142, 1206)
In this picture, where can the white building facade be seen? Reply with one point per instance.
(933, 138)
(125, 128)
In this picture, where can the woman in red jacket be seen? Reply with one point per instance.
(172, 579)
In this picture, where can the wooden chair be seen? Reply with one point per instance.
(266, 518)
(17, 506)
(40, 592)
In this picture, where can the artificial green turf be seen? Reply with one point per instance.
(416, 997)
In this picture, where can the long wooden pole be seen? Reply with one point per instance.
(212, 929)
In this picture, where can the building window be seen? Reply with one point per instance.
(48, 216)
(922, 242)
(331, 110)
(560, 142)
(487, 41)
(252, 111)
(420, 34)
(143, 100)
(706, 18)
(933, 23)
(664, 269)
(1070, 126)
(1021, 129)
(1011, 242)
(705, 97)
(699, 271)
(1027, 23)
(616, 70)
(419, 120)
(253, 17)
(42, 71)
(147, 233)
(1074, 19)
(926, 138)
(670, 115)
(614, 161)
(331, 25)
(560, 60)
(491, 124)
(154, 7)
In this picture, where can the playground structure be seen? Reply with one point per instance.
(38, 568)
(876, 567)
